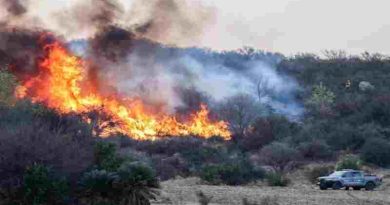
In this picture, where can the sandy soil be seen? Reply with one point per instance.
(183, 192)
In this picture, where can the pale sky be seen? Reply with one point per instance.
(288, 26)
(291, 26)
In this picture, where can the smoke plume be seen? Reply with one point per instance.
(15, 7)
(128, 54)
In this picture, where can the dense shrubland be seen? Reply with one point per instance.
(346, 119)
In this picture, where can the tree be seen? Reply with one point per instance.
(240, 111)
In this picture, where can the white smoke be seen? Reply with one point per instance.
(155, 80)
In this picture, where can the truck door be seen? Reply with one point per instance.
(348, 179)
(358, 179)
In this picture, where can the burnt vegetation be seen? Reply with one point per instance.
(347, 110)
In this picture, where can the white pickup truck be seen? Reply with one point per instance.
(349, 178)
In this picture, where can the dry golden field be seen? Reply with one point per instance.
(300, 192)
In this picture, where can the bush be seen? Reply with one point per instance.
(7, 86)
(279, 155)
(39, 187)
(106, 157)
(138, 174)
(318, 171)
(60, 142)
(231, 174)
(168, 167)
(169, 146)
(96, 186)
(376, 151)
(131, 184)
(349, 162)
(315, 150)
(203, 199)
(277, 179)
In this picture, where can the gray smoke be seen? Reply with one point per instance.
(162, 76)
(159, 74)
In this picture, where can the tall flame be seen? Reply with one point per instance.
(62, 85)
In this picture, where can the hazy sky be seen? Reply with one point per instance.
(289, 26)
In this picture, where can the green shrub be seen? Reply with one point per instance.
(97, 186)
(137, 173)
(231, 173)
(133, 183)
(136, 183)
(39, 187)
(318, 171)
(106, 157)
(7, 86)
(376, 151)
(277, 179)
(212, 173)
(349, 162)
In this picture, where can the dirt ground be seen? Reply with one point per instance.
(300, 192)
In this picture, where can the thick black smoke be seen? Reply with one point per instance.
(171, 21)
(112, 43)
(15, 7)
(21, 49)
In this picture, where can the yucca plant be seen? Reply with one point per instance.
(96, 187)
(137, 183)
(39, 187)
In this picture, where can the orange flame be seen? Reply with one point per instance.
(61, 84)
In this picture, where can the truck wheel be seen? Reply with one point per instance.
(323, 186)
(357, 188)
(337, 185)
(370, 186)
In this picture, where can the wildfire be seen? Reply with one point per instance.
(62, 84)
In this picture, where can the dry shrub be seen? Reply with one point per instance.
(278, 155)
(277, 179)
(27, 137)
(168, 167)
(203, 199)
(313, 173)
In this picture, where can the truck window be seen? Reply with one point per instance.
(357, 174)
(347, 175)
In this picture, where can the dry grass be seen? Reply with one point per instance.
(183, 192)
